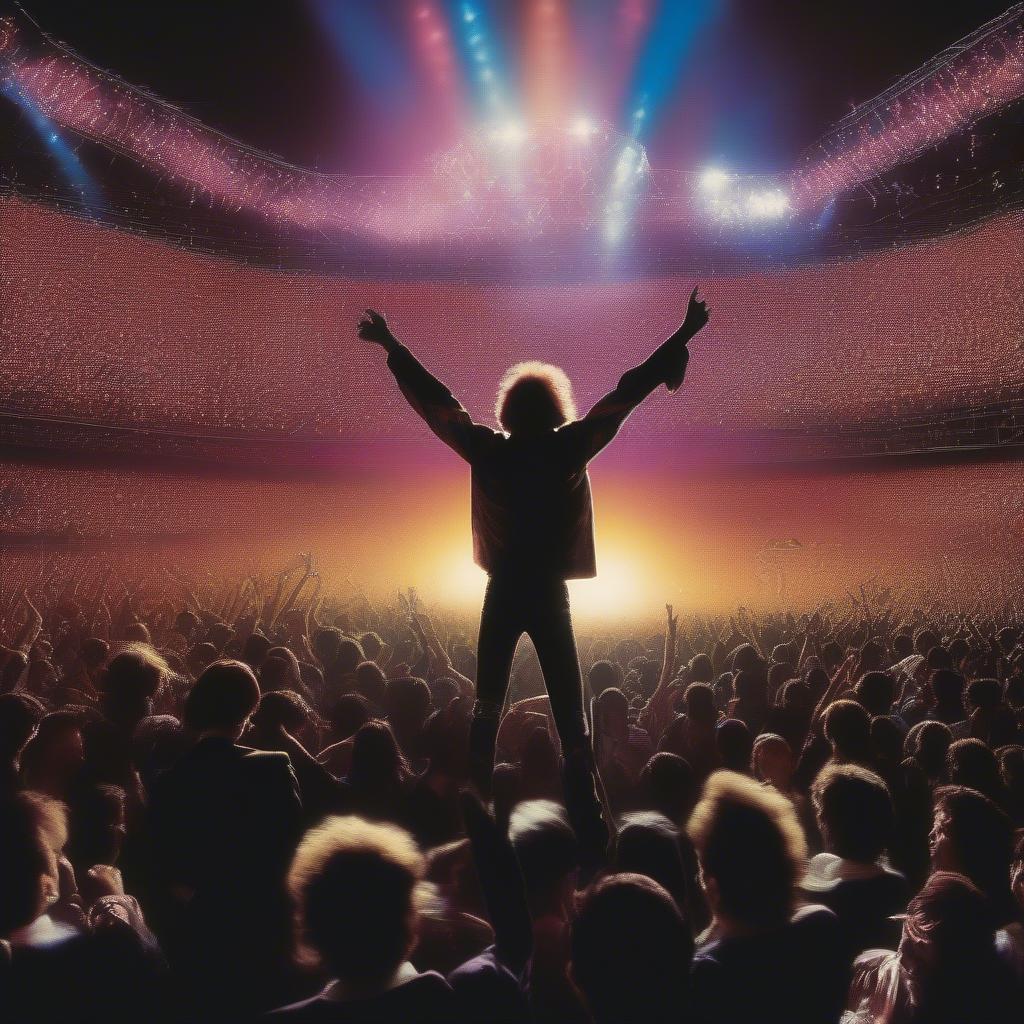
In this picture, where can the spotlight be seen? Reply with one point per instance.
(714, 180)
(510, 134)
(582, 127)
(766, 205)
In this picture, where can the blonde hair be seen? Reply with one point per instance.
(749, 839)
(534, 395)
(357, 889)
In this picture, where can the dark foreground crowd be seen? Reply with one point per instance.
(222, 800)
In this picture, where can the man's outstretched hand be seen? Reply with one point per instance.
(679, 355)
(373, 327)
(697, 315)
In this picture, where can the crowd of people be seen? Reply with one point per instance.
(221, 799)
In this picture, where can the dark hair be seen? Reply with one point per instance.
(847, 726)
(284, 708)
(349, 655)
(972, 763)
(630, 951)
(222, 698)
(534, 397)
(648, 844)
(132, 680)
(604, 675)
(254, 650)
(699, 701)
(371, 682)
(875, 691)
(670, 785)
(544, 843)
(735, 744)
(855, 810)
(983, 837)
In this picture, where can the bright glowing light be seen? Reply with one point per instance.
(767, 205)
(511, 133)
(714, 180)
(582, 127)
(617, 591)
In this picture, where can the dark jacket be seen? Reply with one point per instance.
(221, 828)
(426, 999)
(531, 501)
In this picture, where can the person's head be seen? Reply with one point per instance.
(924, 640)
(376, 757)
(751, 850)
(669, 786)
(984, 694)
(604, 675)
(735, 744)
(187, 624)
(928, 743)
(630, 951)
(131, 681)
(371, 682)
(20, 715)
(847, 727)
(349, 655)
(284, 709)
(533, 398)
(137, 633)
(746, 659)
(854, 811)
(973, 836)
(371, 644)
(947, 952)
(700, 669)
(356, 888)
(546, 848)
(280, 670)
(199, 656)
(347, 714)
(648, 844)
(874, 692)
(33, 830)
(222, 699)
(773, 761)
(699, 702)
(254, 650)
(326, 641)
(972, 763)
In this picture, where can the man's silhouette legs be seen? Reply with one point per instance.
(514, 605)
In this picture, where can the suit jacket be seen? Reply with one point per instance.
(225, 818)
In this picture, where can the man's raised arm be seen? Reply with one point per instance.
(425, 393)
(667, 365)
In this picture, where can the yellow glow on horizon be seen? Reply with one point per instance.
(620, 589)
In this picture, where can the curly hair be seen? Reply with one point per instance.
(533, 397)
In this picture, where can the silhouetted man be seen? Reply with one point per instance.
(533, 525)
(221, 828)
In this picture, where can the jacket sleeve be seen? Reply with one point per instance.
(436, 404)
(590, 434)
